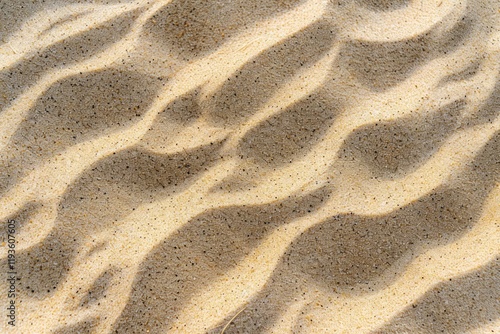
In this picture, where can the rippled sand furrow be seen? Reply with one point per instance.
(251, 167)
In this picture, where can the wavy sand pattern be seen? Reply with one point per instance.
(278, 166)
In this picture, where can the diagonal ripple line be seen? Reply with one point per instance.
(75, 159)
(13, 115)
(39, 31)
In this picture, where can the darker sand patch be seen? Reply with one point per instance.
(251, 86)
(180, 113)
(107, 192)
(207, 247)
(349, 253)
(381, 66)
(98, 289)
(291, 133)
(74, 110)
(395, 148)
(19, 77)
(457, 306)
(192, 28)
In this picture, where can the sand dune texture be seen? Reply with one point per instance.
(277, 166)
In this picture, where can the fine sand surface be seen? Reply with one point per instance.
(250, 166)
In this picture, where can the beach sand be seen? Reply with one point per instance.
(278, 166)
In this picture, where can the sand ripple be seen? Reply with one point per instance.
(252, 166)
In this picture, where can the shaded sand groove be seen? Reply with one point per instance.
(254, 167)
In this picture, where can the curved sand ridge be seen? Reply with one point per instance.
(278, 166)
